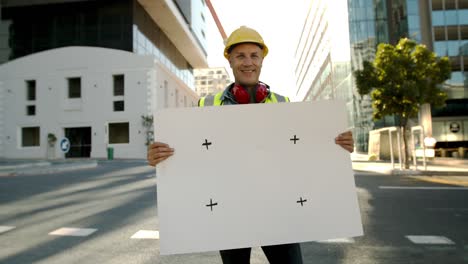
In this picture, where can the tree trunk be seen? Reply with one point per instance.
(407, 152)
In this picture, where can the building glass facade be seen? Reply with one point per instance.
(450, 22)
(450, 25)
(323, 70)
(378, 21)
(37, 28)
(148, 38)
(368, 26)
(118, 24)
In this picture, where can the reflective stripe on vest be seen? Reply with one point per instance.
(215, 100)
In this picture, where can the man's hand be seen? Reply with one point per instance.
(158, 152)
(346, 141)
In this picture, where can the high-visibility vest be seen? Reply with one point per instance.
(218, 99)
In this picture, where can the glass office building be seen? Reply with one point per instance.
(378, 21)
(371, 22)
(119, 24)
(322, 59)
(450, 24)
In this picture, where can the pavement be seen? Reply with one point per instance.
(450, 171)
(14, 167)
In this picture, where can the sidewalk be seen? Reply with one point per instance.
(439, 170)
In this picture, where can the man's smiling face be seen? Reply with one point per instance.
(246, 60)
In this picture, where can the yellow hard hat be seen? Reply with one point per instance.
(242, 35)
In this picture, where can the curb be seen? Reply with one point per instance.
(428, 173)
(446, 180)
(7, 168)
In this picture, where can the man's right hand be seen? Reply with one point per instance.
(158, 152)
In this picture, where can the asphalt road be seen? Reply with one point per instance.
(405, 220)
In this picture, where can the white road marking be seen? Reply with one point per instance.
(146, 234)
(432, 240)
(338, 240)
(4, 229)
(72, 231)
(424, 188)
(447, 209)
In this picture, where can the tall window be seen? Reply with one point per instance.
(74, 87)
(30, 110)
(31, 90)
(166, 95)
(31, 96)
(119, 106)
(119, 85)
(30, 137)
(119, 90)
(119, 133)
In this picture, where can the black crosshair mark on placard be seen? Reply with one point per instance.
(206, 144)
(294, 139)
(211, 204)
(301, 201)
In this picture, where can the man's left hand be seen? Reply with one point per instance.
(346, 141)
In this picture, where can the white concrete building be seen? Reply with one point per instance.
(210, 80)
(93, 71)
(96, 97)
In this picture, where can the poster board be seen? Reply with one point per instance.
(253, 175)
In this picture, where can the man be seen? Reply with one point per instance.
(245, 51)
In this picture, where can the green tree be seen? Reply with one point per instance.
(402, 78)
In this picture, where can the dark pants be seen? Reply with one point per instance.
(278, 254)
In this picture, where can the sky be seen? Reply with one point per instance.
(279, 23)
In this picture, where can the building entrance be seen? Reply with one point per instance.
(80, 142)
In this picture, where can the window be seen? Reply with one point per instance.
(31, 90)
(456, 78)
(30, 136)
(440, 47)
(118, 85)
(119, 133)
(119, 106)
(453, 48)
(463, 17)
(166, 94)
(30, 110)
(450, 4)
(74, 87)
(464, 49)
(451, 17)
(438, 18)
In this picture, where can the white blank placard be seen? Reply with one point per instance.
(239, 178)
